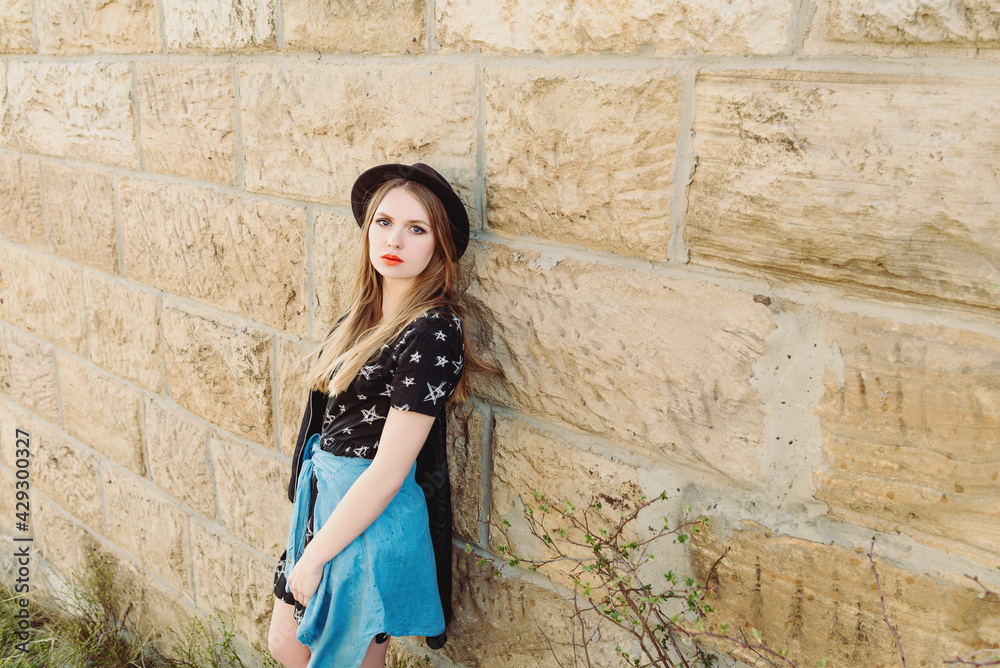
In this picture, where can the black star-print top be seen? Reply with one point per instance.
(416, 371)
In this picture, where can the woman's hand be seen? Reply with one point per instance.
(304, 579)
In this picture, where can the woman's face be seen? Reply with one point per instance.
(400, 239)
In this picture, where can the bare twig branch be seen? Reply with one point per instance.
(881, 598)
(991, 658)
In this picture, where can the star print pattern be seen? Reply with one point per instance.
(435, 393)
(371, 415)
(417, 372)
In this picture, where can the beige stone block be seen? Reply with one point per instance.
(232, 581)
(911, 432)
(9, 491)
(906, 28)
(103, 412)
(81, 208)
(643, 26)
(240, 254)
(527, 460)
(311, 129)
(337, 243)
(66, 473)
(252, 489)
(592, 151)
(148, 525)
(215, 26)
(124, 331)
(33, 375)
(466, 424)
(492, 611)
(164, 612)
(42, 295)
(220, 371)
(71, 26)
(817, 601)
(15, 27)
(188, 112)
(62, 540)
(383, 26)
(657, 364)
(72, 110)
(178, 455)
(878, 185)
(12, 419)
(22, 216)
(292, 390)
(5, 377)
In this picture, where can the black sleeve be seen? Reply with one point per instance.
(430, 365)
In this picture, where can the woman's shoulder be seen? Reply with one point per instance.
(435, 327)
(434, 319)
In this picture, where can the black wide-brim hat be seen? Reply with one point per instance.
(370, 180)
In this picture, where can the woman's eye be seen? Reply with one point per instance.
(381, 222)
(416, 229)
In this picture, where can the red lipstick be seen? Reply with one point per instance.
(388, 258)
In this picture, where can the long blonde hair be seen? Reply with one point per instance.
(362, 331)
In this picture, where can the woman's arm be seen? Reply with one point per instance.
(402, 437)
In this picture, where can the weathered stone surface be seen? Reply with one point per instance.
(188, 113)
(466, 424)
(149, 526)
(71, 26)
(790, 164)
(592, 152)
(240, 254)
(81, 209)
(292, 390)
(251, 487)
(844, 25)
(9, 491)
(43, 296)
(911, 431)
(73, 110)
(33, 375)
(15, 27)
(12, 418)
(123, 330)
(164, 611)
(5, 377)
(382, 26)
(491, 612)
(679, 26)
(233, 581)
(220, 371)
(337, 243)
(67, 474)
(61, 540)
(657, 364)
(819, 601)
(178, 455)
(210, 26)
(103, 412)
(22, 216)
(526, 460)
(311, 129)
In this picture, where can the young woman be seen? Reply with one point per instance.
(368, 555)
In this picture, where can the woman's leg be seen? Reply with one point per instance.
(281, 640)
(375, 658)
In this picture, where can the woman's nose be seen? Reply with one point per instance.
(393, 239)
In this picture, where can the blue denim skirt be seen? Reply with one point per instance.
(384, 581)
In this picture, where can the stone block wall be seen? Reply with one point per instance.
(747, 253)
